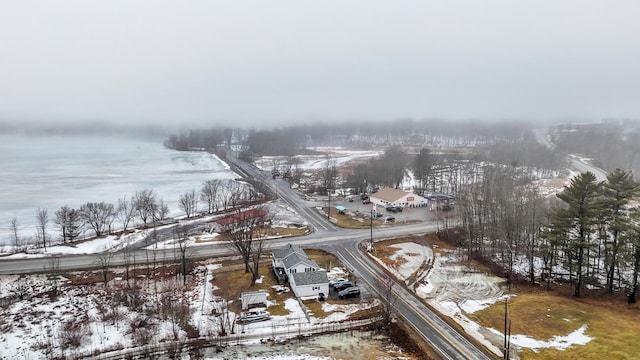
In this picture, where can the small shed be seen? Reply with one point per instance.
(251, 299)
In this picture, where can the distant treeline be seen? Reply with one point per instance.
(291, 140)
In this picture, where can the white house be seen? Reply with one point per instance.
(236, 146)
(278, 255)
(309, 283)
(396, 197)
(305, 277)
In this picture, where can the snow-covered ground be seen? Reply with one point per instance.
(456, 290)
(282, 215)
(337, 155)
(85, 319)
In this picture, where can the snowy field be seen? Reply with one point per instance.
(456, 290)
(337, 155)
(84, 319)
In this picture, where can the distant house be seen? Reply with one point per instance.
(306, 278)
(396, 197)
(236, 146)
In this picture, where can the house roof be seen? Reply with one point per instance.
(389, 194)
(294, 259)
(310, 278)
(283, 252)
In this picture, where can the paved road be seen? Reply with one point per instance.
(575, 162)
(444, 339)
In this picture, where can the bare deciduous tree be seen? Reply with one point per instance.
(145, 204)
(162, 211)
(53, 276)
(183, 256)
(15, 238)
(188, 202)
(422, 165)
(42, 218)
(329, 175)
(103, 260)
(126, 211)
(388, 298)
(97, 215)
(209, 194)
(246, 231)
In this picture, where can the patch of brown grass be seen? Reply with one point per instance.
(349, 222)
(276, 231)
(365, 313)
(323, 258)
(232, 281)
(286, 232)
(544, 315)
(384, 250)
(315, 307)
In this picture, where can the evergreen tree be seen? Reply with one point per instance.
(619, 189)
(634, 239)
(582, 201)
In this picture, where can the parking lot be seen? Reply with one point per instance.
(406, 215)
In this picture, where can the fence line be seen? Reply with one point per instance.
(293, 330)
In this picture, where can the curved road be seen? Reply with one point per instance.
(574, 161)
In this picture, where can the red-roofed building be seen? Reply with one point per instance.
(241, 216)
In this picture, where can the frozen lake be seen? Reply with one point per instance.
(48, 172)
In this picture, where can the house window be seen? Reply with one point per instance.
(316, 288)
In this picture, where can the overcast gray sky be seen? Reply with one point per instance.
(255, 61)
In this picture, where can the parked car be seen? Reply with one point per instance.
(391, 209)
(389, 218)
(336, 280)
(342, 285)
(366, 201)
(399, 208)
(349, 292)
(364, 196)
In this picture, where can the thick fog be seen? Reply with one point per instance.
(251, 62)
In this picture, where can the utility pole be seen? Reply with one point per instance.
(373, 213)
(329, 205)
